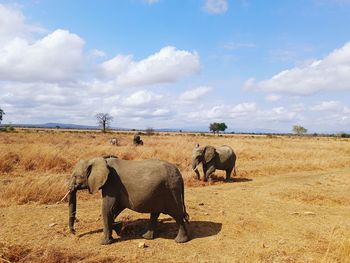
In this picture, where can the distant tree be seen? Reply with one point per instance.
(222, 126)
(298, 129)
(149, 131)
(104, 120)
(1, 114)
(216, 127)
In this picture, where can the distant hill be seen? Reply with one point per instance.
(51, 125)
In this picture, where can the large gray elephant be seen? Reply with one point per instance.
(221, 158)
(148, 186)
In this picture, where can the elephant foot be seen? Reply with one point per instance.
(107, 241)
(149, 235)
(181, 238)
(117, 227)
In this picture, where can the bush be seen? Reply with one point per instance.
(149, 131)
(344, 135)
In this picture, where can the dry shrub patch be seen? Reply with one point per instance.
(20, 253)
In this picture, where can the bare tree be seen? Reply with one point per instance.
(104, 120)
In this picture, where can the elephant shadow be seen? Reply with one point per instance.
(166, 228)
(216, 178)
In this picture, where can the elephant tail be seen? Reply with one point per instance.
(186, 215)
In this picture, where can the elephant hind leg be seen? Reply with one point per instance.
(228, 173)
(182, 235)
(152, 224)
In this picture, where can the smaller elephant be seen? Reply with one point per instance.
(221, 158)
(114, 141)
(137, 140)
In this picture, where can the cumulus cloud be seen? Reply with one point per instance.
(195, 93)
(13, 24)
(222, 112)
(24, 57)
(327, 106)
(328, 74)
(58, 56)
(273, 97)
(141, 98)
(215, 6)
(166, 66)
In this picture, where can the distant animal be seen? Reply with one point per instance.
(113, 141)
(147, 186)
(137, 140)
(221, 158)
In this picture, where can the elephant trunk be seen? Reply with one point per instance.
(195, 164)
(72, 203)
(72, 209)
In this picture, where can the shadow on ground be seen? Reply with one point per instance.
(231, 180)
(166, 228)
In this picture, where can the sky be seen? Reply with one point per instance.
(177, 64)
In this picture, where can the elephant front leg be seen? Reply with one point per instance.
(197, 174)
(152, 224)
(208, 173)
(108, 216)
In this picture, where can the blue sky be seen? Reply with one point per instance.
(177, 64)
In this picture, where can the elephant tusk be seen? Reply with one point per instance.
(194, 169)
(64, 197)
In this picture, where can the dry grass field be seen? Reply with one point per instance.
(290, 201)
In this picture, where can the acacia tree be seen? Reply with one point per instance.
(298, 129)
(222, 126)
(1, 114)
(104, 120)
(216, 127)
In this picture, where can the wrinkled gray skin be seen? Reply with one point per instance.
(149, 186)
(220, 158)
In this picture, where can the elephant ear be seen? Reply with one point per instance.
(209, 153)
(97, 173)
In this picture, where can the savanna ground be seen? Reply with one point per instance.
(289, 203)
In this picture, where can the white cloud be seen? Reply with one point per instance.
(216, 6)
(58, 56)
(13, 24)
(328, 106)
(25, 57)
(141, 98)
(222, 112)
(95, 53)
(166, 66)
(328, 74)
(195, 93)
(273, 97)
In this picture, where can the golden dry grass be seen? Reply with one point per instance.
(289, 203)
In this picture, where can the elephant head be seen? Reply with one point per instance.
(91, 175)
(202, 154)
